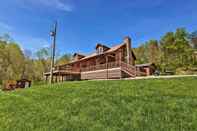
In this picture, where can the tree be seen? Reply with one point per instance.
(66, 58)
(12, 61)
(148, 52)
(153, 51)
(3, 57)
(141, 54)
(193, 39)
(43, 53)
(41, 63)
(176, 49)
(166, 44)
(6, 38)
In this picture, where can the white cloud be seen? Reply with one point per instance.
(4, 26)
(62, 5)
(29, 45)
(30, 42)
(145, 3)
(34, 43)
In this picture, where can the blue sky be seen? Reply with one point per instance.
(83, 23)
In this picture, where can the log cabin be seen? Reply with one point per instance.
(105, 63)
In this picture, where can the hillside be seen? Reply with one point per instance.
(151, 105)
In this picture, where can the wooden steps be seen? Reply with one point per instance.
(131, 70)
(128, 69)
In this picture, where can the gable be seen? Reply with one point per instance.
(100, 49)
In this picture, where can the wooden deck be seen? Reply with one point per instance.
(104, 63)
(101, 66)
(112, 70)
(112, 73)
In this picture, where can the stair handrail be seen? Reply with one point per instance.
(133, 68)
(129, 68)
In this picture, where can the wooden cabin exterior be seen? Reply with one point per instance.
(105, 63)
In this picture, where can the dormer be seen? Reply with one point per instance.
(100, 49)
(77, 56)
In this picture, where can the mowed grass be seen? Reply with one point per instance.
(137, 105)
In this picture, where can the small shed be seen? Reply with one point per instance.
(148, 68)
(23, 83)
(12, 84)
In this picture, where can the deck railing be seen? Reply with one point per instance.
(68, 69)
(101, 66)
(132, 70)
(129, 69)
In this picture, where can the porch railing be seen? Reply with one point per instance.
(101, 66)
(68, 69)
(132, 70)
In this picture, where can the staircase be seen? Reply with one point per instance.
(131, 70)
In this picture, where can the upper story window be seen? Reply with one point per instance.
(100, 50)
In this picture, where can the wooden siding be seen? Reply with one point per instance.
(114, 73)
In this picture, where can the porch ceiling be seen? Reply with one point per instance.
(62, 72)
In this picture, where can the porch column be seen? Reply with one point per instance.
(120, 56)
(96, 64)
(120, 60)
(96, 61)
(88, 65)
(46, 77)
(107, 66)
(56, 78)
(80, 66)
(59, 78)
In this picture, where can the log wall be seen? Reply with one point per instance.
(114, 73)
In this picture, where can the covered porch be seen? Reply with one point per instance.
(63, 75)
(75, 70)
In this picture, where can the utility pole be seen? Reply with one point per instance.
(53, 35)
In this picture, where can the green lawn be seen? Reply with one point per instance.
(141, 105)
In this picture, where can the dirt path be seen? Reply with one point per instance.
(150, 77)
(160, 77)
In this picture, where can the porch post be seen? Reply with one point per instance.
(88, 65)
(107, 66)
(56, 78)
(80, 66)
(46, 78)
(62, 78)
(120, 56)
(120, 60)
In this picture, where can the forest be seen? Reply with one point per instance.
(16, 63)
(175, 51)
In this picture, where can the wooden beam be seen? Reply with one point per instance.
(110, 55)
(107, 64)
(56, 78)
(62, 78)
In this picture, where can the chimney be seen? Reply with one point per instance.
(127, 41)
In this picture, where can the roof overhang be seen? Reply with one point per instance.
(111, 50)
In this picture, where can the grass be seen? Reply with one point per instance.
(140, 105)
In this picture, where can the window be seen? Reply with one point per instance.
(100, 50)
